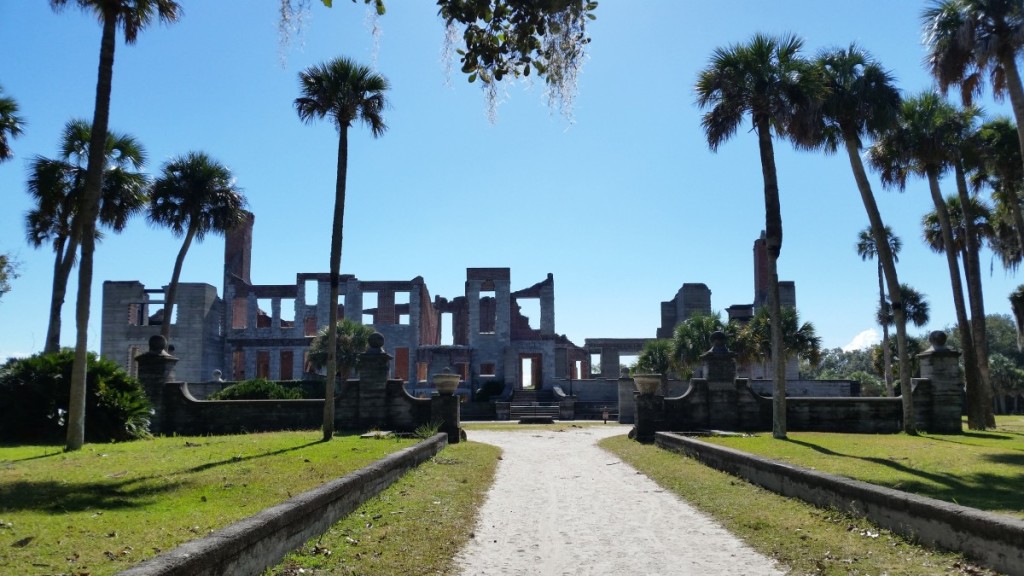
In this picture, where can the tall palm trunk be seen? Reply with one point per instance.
(88, 211)
(1008, 61)
(975, 419)
(332, 322)
(888, 263)
(886, 352)
(172, 288)
(773, 242)
(972, 271)
(63, 262)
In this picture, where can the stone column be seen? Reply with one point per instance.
(373, 377)
(627, 402)
(156, 370)
(941, 366)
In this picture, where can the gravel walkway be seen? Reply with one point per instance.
(562, 506)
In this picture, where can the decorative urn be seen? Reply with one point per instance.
(647, 383)
(446, 382)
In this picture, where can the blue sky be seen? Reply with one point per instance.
(623, 206)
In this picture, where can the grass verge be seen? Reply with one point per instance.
(983, 470)
(109, 506)
(806, 539)
(416, 526)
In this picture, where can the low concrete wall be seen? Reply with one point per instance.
(992, 539)
(251, 545)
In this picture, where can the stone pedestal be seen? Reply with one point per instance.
(373, 376)
(649, 414)
(567, 409)
(156, 370)
(444, 408)
(939, 404)
(627, 404)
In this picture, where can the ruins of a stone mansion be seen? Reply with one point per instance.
(264, 330)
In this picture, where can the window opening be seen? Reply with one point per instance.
(487, 369)
(263, 363)
(369, 308)
(530, 308)
(287, 365)
(488, 311)
(239, 313)
(447, 330)
(287, 312)
(238, 365)
(310, 290)
(263, 312)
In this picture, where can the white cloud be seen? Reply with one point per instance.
(866, 338)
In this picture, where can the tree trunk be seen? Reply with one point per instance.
(88, 211)
(336, 241)
(1016, 91)
(975, 419)
(886, 352)
(888, 262)
(773, 242)
(172, 288)
(972, 271)
(64, 260)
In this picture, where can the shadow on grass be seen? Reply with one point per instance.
(27, 458)
(59, 496)
(236, 459)
(981, 490)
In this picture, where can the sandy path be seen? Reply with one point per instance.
(562, 506)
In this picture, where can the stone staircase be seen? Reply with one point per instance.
(533, 406)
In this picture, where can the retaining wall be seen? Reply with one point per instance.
(992, 539)
(251, 545)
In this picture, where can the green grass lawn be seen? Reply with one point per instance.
(983, 470)
(806, 539)
(416, 526)
(109, 506)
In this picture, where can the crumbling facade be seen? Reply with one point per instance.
(259, 330)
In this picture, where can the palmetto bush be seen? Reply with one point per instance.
(34, 400)
(257, 389)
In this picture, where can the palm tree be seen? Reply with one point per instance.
(800, 340)
(867, 249)
(1000, 167)
(969, 39)
(920, 145)
(862, 102)
(345, 92)
(10, 124)
(768, 80)
(132, 16)
(194, 195)
(656, 358)
(57, 185)
(351, 340)
(692, 337)
(918, 310)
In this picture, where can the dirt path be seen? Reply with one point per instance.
(562, 506)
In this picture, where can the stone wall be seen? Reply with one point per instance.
(370, 402)
(723, 402)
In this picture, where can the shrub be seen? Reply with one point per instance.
(34, 395)
(257, 389)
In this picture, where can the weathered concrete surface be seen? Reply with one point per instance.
(992, 539)
(251, 545)
(562, 506)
